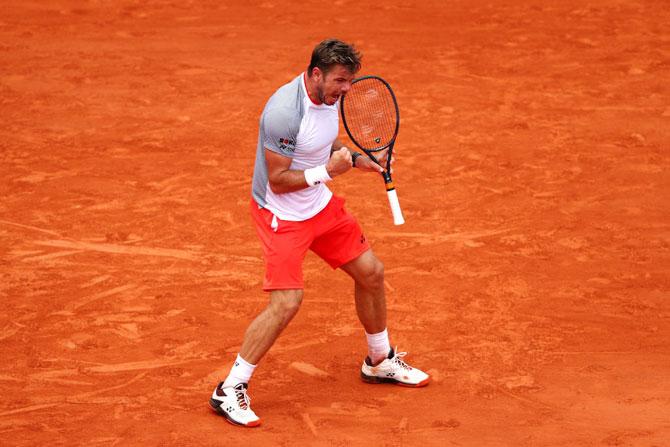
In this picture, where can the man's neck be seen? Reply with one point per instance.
(310, 85)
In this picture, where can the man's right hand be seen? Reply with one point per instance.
(339, 163)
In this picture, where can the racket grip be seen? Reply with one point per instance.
(395, 207)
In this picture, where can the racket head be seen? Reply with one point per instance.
(370, 114)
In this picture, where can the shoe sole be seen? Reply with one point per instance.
(375, 379)
(216, 406)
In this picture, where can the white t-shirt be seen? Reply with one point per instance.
(293, 126)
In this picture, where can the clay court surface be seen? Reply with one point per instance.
(531, 278)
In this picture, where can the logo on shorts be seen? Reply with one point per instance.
(362, 239)
(287, 144)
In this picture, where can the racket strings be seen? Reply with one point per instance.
(371, 114)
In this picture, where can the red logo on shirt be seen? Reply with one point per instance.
(286, 144)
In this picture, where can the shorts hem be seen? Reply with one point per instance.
(283, 287)
(363, 250)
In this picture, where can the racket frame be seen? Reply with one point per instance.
(398, 218)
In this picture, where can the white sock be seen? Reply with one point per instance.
(240, 372)
(378, 345)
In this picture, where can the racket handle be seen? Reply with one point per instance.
(395, 207)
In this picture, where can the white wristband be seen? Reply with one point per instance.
(314, 176)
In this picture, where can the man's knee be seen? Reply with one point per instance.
(286, 302)
(373, 275)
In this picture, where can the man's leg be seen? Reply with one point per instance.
(383, 365)
(368, 274)
(230, 396)
(266, 327)
(262, 333)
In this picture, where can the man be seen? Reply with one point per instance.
(293, 211)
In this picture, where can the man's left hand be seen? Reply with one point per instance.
(365, 163)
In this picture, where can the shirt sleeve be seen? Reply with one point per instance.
(280, 127)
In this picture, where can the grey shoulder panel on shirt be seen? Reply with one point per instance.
(281, 118)
(279, 126)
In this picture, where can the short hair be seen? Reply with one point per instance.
(331, 52)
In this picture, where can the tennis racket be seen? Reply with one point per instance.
(371, 118)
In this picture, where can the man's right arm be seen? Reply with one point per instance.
(283, 180)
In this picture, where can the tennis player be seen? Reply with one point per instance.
(293, 211)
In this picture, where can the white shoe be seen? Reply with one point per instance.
(234, 404)
(393, 370)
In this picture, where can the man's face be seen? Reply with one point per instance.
(331, 86)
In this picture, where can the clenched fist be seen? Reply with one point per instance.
(339, 163)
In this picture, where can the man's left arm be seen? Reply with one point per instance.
(360, 161)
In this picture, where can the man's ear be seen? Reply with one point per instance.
(317, 74)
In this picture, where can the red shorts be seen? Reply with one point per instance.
(333, 234)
